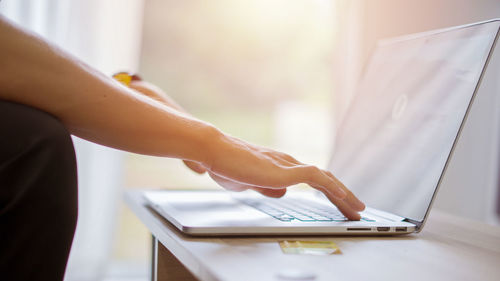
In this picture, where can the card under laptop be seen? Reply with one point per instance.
(391, 148)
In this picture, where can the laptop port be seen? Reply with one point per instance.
(383, 228)
(401, 229)
(358, 229)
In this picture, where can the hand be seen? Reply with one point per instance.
(157, 94)
(237, 165)
(236, 186)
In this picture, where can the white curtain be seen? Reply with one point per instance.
(106, 35)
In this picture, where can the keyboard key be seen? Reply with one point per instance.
(320, 218)
(285, 218)
(305, 218)
(289, 210)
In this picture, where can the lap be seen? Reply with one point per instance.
(38, 193)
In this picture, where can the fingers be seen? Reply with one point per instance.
(289, 158)
(269, 172)
(269, 192)
(342, 205)
(320, 179)
(344, 208)
(149, 90)
(282, 157)
(320, 176)
(350, 205)
(316, 178)
(335, 191)
(350, 199)
(196, 167)
(238, 187)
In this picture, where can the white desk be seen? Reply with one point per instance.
(449, 248)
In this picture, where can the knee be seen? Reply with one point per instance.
(45, 139)
(38, 193)
(59, 181)
(53, 148)
(27, 131)
(53, 142)
(41, 170)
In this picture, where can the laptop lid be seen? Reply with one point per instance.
(393, 145)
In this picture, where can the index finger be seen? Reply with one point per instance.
(325, 182)
(350, 199)
(316, 178)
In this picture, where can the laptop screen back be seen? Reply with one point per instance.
(393, 143)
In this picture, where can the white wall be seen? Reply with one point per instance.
(107, 36)
(470, 187)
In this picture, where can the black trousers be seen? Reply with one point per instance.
(38, 194)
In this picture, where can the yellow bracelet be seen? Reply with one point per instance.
(125, 78)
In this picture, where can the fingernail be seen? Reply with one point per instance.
(360, 206)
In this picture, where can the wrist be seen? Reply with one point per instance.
(212, 140)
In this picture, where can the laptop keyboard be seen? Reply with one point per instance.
(294, 209)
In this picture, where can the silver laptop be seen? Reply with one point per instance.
(391, 147)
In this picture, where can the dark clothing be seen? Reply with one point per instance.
(38, 194)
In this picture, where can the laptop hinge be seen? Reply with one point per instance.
(417, 224)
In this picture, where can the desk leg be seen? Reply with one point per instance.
(165, 266)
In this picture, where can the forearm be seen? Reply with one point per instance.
(92, 105)
(102, 110)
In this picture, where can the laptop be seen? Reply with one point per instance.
(391, 148)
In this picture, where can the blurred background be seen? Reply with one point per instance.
(259, 70)
(278, 73)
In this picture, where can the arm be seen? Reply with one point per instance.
(90, 104)
(157, 94)
(99, 109)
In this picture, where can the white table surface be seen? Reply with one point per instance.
(449, 248)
